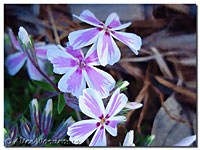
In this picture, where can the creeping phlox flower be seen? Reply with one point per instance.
(107, 50)
(41, 124)
(14, 62)
(78, 70)
(92, 105)
(128, 141)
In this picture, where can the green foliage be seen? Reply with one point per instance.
(61, 103)
(46, 86)
(149, 140)
(6, 39)
(119, 83)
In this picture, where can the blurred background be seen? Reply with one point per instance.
(163, 76)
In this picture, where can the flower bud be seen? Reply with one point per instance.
(46, 122)
(61, 131)
(25, 128)
(12, 135)
(23, 36)
(35, 114)
(124, 85)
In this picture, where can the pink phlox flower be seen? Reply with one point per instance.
(91, 104)
(14, 62)
(79, 70)
(103, 33)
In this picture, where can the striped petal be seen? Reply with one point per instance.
(112, 122)
(73, 82)
(91, 104)
(99, 80)
(61, 60)
(116, 104)
(77, 53)
(85, 37)
(88, 17)
(133, 105)
(14, 62)
(113, 22)
(81, 130)
(107, 50)
(33, 73)
(91, 57)
(99, 138)
(133, 41)
(14, 40)
(41, 50)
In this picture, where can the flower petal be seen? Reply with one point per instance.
(91, 57)
(116, 104)
(41, 50)
(107, 50)
(111, 127)
(85, 37)
(99, 80)
(125, 25)
(133, 41)
(128, 141)
(88, 17)
(61, 60)
(33, 73)
(114, 23)
(77, 53)
(14, 62)
(14, 40)
(133, 105)
(99, 138)
(73, 82)
(81, 130)
(91, 103)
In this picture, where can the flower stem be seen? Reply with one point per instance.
(40, 71)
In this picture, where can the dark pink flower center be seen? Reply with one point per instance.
(103, 121)
(81, 64)
(106, 29)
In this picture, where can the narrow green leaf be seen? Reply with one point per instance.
(32, 43)
(123, 89)
(149, 140)
(6, 132)
(46, 86)
(61, 103)
(6, 39)
(119, 83)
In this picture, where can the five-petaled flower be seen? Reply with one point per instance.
(107, 50)
(14, 62)
(78, 70)
(92, 105)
